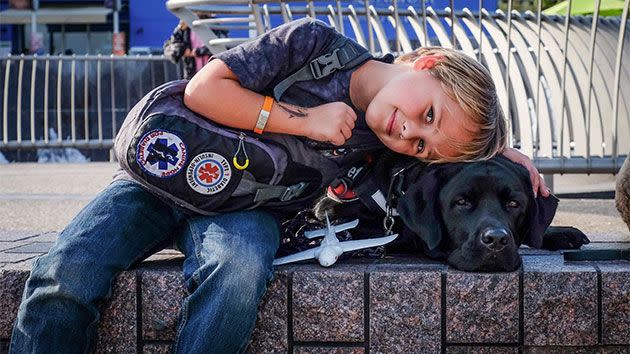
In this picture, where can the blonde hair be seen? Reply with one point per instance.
(469, 84)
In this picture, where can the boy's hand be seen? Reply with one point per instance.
(538, 182)
(331, 122)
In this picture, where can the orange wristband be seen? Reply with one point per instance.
(263, 116)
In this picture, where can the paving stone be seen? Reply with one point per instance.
(560, 302)
(10, 235)
(328, 303)
(402, 261)
(481, 350)
(10, 244)
(16, 257)
(7, 245)
(528, 251)
(33, 247)
(482, 307)
(46, 237)
(49, 237)
(157, 348)
(328, 350)
(576, 350)
(615, 302)
(25, 265)
(270, 333)
(11, 289)
(117, 330)
(405, 311)
(163, 292)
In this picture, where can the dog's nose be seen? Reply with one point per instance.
(495, 238)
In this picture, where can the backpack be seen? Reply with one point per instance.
(208, 168)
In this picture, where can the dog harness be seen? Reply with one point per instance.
(362, 184)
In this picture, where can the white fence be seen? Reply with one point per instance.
(82, 100)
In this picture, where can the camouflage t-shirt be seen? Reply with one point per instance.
(264, 62)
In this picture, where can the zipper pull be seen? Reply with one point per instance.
(241, 146)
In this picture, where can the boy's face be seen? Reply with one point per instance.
(412, 115)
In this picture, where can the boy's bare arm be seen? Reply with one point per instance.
(538, 183)
(215, 93)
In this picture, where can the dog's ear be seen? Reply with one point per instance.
(540, 214)
(420, 211)
(540, 211)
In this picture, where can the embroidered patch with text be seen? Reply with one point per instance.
(161, 153)
(208, 173)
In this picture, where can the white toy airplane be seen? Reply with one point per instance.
(331, 248)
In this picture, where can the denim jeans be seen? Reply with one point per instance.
(228, 261)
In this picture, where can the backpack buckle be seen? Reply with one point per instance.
(326, 64)
(293, 191)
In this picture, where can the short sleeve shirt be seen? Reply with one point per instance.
(264, 62)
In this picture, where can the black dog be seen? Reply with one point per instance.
(472, 215)
(476, 215)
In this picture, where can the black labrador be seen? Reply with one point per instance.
(474, 216)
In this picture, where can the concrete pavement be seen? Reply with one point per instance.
(41, 198)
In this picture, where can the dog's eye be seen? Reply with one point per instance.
(512, 204)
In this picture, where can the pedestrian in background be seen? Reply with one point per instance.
(186, 43)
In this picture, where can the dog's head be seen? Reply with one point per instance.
(476, 215)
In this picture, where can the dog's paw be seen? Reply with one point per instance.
(563, 238)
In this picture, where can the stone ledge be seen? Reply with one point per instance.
(392, 305)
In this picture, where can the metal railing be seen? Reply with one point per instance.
(559, 78)
(73, 101)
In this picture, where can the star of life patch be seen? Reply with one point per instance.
(208, 173)
(161, 153)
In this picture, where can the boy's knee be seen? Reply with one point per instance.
(249, 262)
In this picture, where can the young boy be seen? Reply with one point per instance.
(439, 104)
(439, 107)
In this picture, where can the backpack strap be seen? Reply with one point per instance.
(344, 54)
(280, 192)
(266, 192)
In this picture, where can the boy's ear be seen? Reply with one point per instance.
(426, 62)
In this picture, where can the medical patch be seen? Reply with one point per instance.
(161, 153)
(208, 173)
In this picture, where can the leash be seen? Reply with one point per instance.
(395, 191)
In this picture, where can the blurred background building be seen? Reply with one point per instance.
(83, 26)
(87, 26)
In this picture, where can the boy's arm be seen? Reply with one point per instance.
(216, 93)
(538, 183)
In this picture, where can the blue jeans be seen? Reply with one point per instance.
(228, 263)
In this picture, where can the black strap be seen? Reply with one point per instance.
(376, 196)
(597, 255)
(343, 55)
